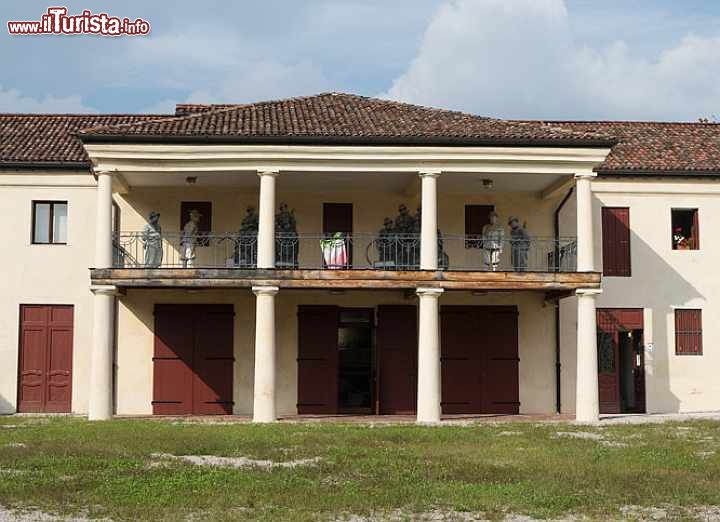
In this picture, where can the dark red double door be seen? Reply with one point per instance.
(479, 359)
(193, 360)
(45, 366)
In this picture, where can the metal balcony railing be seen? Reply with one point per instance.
(344, 251)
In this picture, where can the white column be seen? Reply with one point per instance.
(585, 241)
(266, 220)
(103, 221)
(100, 401)
(587, 404)
(264, 396)
(428, 229)
(428, 383)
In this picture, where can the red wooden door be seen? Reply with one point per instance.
(45, 369)
(193, 360)
(317, 359)
(213, 360)
(460, 360)
(480, 361)
(501, 387)
(611, 323)
(397, 359)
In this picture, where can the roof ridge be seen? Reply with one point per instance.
(79, 114)
(622, 122)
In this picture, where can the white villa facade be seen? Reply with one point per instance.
(330, 297)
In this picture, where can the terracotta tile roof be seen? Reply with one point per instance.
(38, 140)
(342, 118)
(656, 147)
(48, 139)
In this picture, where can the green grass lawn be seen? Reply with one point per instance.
(107, 469)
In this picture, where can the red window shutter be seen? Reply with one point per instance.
(695, 232)
(616, 241)
(688, 332)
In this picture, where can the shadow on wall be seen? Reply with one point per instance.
(6, 408)
(657, 285)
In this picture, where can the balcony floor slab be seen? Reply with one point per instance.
(344, 279)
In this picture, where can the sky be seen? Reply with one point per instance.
(550, 59)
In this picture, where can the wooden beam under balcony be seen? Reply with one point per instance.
(344, 279)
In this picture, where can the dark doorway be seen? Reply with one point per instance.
(46, 353)
(355, 360)
(479, 359)
(193, 360)
(338, 219)
(621, 374)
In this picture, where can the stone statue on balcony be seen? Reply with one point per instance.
(286, 238)
(250, 222)
(404, 222)
(189, 239)
(519, 244)
(152, 241)
(245, 251)
(493, 237)
(417, 221)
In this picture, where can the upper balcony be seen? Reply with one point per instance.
(386, 250)
(369, 250)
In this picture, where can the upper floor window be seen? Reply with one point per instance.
(49, 222)
(688, 332)
(685, 229)
(616, 241)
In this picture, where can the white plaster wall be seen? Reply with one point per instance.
(662, 280)
(135, 348)
(46, 274)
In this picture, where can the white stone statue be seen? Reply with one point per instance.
(152, 241)
(493, 236)
(189, 239)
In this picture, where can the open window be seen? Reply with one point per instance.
(685, 229)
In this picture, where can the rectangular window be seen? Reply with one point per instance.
(616, 241)
(685, 229)
(688, 332)
(49, 222)
(476, 217)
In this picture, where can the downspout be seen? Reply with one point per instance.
(558, 402)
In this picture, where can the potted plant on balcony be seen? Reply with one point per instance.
(334, 251)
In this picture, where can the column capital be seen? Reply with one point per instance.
(265, 290)
(110, 290)
(592, 292)
(104, 172)
(429, 173)
(429, 291)
(268, 172)
(588, 175)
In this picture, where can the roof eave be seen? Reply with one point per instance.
(349, 140)
(660, 173)
(45, 165)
